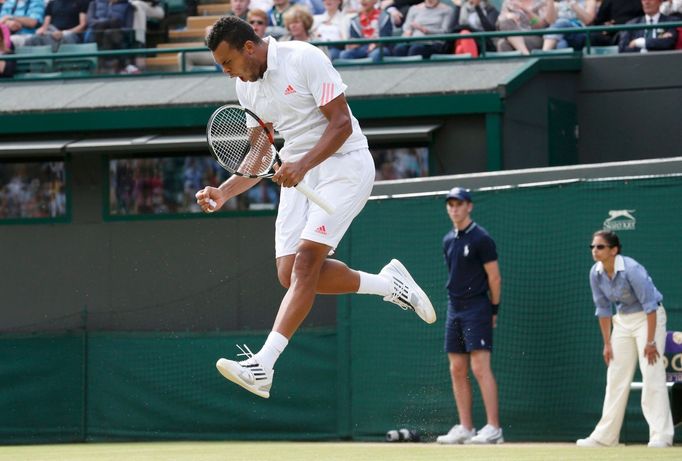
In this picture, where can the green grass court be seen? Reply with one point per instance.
(322, 451)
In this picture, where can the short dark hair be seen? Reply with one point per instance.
(610, 237)
(232, 30)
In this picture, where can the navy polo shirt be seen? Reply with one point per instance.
(465, 253)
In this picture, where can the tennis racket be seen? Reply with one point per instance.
(243, 145)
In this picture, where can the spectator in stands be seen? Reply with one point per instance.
(298, 22)
(65, 22)
(6, 47)
(614, 12)
(204, 59)
(145, 10)
(476, 16)
(635, 334)
(22, 18)
(371, 22)
(641, 41)
(110, 24)
(239, 8)
(259, 21)
(474, 286)
(331, 25)
(431, 17)
(570, 13)
(276, 18)
(524, 15)
(350, 8)
(397, 9)
(672, 8)
(264, 5)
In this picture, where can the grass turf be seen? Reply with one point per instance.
(322, 451)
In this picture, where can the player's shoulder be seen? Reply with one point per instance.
(298, 51)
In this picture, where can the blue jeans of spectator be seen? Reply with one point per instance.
(417, 48)
(361, 52)
(566, 40)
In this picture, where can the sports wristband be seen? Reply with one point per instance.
(496, 308)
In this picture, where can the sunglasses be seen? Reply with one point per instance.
(601, 246)
(260, 23)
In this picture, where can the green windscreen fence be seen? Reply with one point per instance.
(547, 346)
(381, 368)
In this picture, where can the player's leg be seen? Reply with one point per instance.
(305, 275)
(335, 276)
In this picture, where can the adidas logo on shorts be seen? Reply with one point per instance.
(321, 230)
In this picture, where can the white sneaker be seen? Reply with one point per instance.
(488, 435)
(458, 434)
(406, 293)
(249, 374)
(658, 444)
(589, 442)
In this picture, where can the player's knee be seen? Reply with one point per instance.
(284, 276)
(307, 263)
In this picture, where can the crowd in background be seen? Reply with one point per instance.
(32, 190)
(121, 24)
(159, 185)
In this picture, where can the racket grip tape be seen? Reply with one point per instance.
(316, 199)
(213, 205)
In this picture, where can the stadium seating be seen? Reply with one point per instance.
(79, 66)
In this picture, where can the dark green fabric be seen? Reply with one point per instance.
(41, 388)
(547, 347)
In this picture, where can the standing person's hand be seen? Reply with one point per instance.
(608, 353)
(651, 353)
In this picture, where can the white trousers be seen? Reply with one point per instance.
(627, 342)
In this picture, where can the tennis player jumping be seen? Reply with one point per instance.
(294, 88)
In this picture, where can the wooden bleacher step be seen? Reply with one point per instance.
(187, 35)
(163, 62)
(213, 9)
(201, 22)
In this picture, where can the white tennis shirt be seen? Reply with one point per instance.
(299, 79)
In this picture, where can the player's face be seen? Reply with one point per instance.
(241, 64)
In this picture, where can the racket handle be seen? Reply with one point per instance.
(316, 199)
(213, 205)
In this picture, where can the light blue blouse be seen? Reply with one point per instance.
(631, 289)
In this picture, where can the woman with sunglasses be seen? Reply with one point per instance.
(636, 333)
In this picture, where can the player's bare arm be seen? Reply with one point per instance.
(336, 133)
(232, 187)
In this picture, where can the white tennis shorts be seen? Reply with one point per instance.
(343, 180)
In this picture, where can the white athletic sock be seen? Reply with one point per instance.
(374, 284)
(271, 350)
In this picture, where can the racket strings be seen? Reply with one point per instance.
(239, 148)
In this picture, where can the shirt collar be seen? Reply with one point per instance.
(272, 55)
(618, 265)
(655, 18)
(466, 230)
